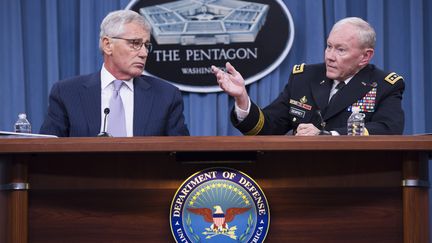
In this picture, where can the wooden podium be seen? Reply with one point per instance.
(319, 189)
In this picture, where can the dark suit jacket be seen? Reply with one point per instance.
(378, 93)
(75, 108)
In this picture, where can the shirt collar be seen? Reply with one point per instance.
(346, 81)
(107, 78)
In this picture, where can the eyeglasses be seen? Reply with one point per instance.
(137, 44)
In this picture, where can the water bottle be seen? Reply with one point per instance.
(22, 125)
(355, 122)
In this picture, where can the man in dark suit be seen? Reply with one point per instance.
(319, 99)
(137, 105)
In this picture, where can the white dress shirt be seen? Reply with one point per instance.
(126, 93)
(240, 113)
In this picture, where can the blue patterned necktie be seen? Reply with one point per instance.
(116, 118)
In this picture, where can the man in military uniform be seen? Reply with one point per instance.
(319, 98)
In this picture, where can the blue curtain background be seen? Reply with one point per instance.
(42, 41)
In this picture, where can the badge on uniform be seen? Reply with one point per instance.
(303, 100)
(297, 112)
(301, 103)
(392, 78)
(367, 103)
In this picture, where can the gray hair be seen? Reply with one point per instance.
(366, 32)
(112, 25)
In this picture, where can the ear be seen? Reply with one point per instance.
(366, 56)
(107, 46)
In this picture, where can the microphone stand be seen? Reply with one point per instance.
(322, 124)
(104, 133)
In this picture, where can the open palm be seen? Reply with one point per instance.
(231, 81)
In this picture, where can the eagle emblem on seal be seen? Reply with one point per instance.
(218, 218)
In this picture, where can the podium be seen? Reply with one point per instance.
(319, 189)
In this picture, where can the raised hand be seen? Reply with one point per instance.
(232, 83)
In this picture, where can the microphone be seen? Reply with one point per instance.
(322, 124)
(321, 120)
(104, 133)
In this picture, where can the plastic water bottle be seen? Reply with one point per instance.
(22, 125)
(355, 122)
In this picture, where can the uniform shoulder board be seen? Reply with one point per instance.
(393, 77)
(298, 68)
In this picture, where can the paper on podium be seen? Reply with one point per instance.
(5, 134)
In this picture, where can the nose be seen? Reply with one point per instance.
(143, 52)
(329, 54)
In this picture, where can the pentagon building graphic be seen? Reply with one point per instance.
(205, 22)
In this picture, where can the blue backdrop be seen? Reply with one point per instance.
(42, 41)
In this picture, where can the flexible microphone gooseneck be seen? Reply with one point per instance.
(322, 124)
(104, 133)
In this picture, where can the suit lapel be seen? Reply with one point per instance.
(356, 89)
(321, 91)
(143, 103)
(91, 103)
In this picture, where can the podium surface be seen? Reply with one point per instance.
(319, 189)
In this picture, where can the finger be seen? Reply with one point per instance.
(230, 68)
(216, 70)
(300, 133)
(306, 125)
(304, 133)
(301, 127)
(223, 85)
(221, 76)
(220, 80)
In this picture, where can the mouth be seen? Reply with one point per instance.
(139, 65)
(330, 67)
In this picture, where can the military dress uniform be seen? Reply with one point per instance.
(305, 99)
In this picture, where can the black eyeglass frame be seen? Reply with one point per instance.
(136, 44)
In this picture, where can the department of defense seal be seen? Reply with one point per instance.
(219, 205)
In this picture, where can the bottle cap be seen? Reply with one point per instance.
(22, 116)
